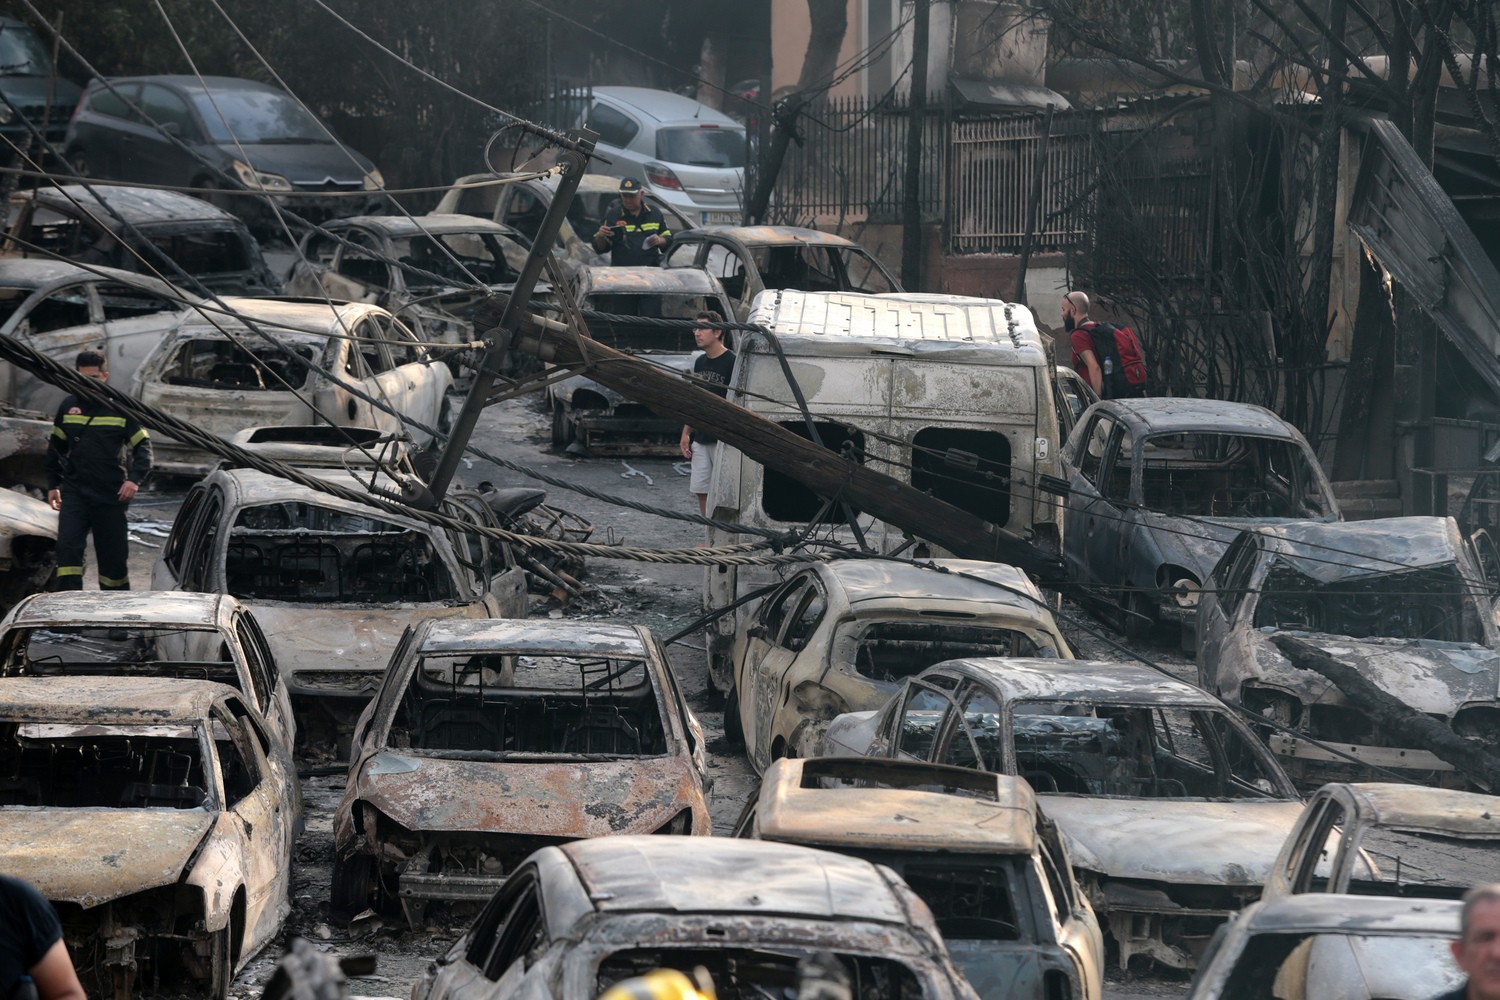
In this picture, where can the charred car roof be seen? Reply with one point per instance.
(1094, 680)
(40, 272)
(1334, 551)
(773, 236)
(865, 580)
(729, 876)
(867, 813)
(399, 226)
(136, 205)
(1417, 807)
(288, 315)
(128, 607)
(618, 280)
(145, 701)
(248, 487)
(1312, 912)
(1168, 414)
(525, 636)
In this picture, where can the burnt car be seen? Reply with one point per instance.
(1172, 810)
(333, 582)
(520, 201)
(158, 815)
(1390, 840)
(58, 308)
(597, 417)
(577, 918)
(1335, 948)
(1072, 396)
(747, 260)
(142, 633)
(972, 844)
(220, 132)
(841, 636)
(273, 361)
(431, 271)
(1158, 488)
(491, 739)
(183, 239)
(1402, 600)
(28, 542)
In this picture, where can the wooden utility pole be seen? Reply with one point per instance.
(911, 204)
(819, 469)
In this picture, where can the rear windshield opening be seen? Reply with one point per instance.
(786, 499)
(624, 335)
(115, 650)
(1422, 604)
(744, 973)
(223, 364)
(94, 767)
(207, 252)
(1229, 475)
(890, 652)
(969, 903)
(969, 469)
(311, 555)
(530, 704)
(437, 261)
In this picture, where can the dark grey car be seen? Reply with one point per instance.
(223, 128)
(31, 86)
(161, 233)
(1158, 488)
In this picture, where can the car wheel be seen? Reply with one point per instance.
(734, 732)
(562, 427)
(445, 417)
(220, 963)
(353, 885)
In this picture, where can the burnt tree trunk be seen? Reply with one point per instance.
(1393, 715)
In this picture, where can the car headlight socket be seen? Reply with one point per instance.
(255, 180)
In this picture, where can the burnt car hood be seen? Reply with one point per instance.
(311, 163)
(1435, 678)
(321, 637)
(1184, 841)
(579, 798)
(91, 856)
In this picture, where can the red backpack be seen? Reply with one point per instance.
(1120, 360)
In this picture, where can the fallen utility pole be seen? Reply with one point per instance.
(1393, 715)
(573, 161)
(821, 470)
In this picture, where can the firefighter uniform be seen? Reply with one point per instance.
(86, 462)
(627, 247)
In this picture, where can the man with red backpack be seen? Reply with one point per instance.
(1108, 357)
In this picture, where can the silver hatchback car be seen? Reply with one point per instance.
(690, 156)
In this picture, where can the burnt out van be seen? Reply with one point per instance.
(951, 394)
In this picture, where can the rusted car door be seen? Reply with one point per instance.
(780, 632)
(1230, 585)
(59, 324)
(261, 816)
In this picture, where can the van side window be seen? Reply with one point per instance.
(969, 469)
(785, 499)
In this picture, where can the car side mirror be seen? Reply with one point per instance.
(758, 630)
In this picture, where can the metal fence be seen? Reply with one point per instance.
(848, 166)
(993, 169)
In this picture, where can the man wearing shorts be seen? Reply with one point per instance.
(712, 368)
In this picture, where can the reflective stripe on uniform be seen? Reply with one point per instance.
(58, 432)
(108, 421)
(108, 581)
(137, 437)
(75, 418)
(70, 571)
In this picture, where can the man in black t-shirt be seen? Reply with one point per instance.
(713, 368)
(31, 945)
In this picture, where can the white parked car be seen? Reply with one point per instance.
(689, 155)
(221, 375)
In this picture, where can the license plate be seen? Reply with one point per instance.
(721, 218)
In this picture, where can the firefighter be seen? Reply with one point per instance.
(88, 483)
(632, 231)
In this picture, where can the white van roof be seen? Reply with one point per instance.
(854, 323)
